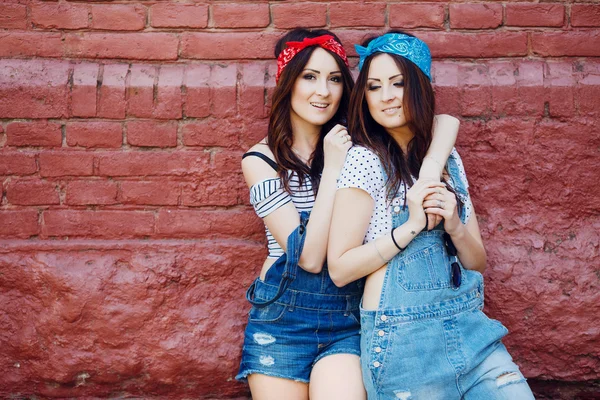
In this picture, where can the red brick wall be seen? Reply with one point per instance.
(126, 238)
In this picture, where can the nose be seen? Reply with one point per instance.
(386, 93)
(323, 87)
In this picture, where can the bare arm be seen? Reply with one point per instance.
(348, 258)
(445, 131)
(283, 221)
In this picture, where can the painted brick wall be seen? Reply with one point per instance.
(126, 237)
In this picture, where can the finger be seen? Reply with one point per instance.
(438, 211)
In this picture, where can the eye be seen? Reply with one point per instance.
(399, 83)
(309, 77)
(372, 87)
(336, 79)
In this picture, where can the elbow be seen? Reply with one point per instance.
(338, 279)
(311, 265)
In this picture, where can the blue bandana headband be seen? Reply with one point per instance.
(409, 47)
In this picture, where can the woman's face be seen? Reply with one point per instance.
(384, 92)
(318, 89)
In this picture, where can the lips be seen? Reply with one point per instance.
(321, 106)
(391, 110)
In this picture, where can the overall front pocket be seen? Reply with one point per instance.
(424, 269)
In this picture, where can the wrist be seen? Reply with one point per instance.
(330, 173)
(459, 232)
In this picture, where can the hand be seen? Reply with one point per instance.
(415, 198)
(336, 144)
(433, 220)
(442, 203)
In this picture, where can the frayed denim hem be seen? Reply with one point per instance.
(336, 351)
(243, 376)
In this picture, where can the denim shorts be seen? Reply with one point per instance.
(286, 339)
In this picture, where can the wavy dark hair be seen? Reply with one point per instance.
(418, 104)
(280, 137)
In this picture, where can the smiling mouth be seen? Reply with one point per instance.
(391, 110)
(320, 105)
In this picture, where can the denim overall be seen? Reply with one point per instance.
(298, 317)
(429, 340)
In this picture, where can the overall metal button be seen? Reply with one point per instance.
(397, 209)
(384, 317)
(376, 364)
(377, 349)
(381, 333)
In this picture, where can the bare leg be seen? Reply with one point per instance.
(337, 377)
(265, 387)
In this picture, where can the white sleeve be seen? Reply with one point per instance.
(362, 170)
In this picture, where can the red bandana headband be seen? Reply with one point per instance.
(325, 41)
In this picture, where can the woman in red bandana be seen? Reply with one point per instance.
(302, 328)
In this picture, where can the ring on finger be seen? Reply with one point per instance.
(439, 204)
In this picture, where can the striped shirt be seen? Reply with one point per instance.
(268, 195)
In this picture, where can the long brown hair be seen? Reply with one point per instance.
(418, 104)
(280, 138)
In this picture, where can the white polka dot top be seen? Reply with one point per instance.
(363, 170)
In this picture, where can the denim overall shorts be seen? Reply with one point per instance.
(311, 317)
(428, 339)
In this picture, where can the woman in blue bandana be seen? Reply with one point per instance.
(423, 335)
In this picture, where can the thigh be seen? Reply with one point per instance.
(498, 378)
(337, 376)
(265, 387)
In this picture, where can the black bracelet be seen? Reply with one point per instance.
(396, 244)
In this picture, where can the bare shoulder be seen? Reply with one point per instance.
(256, 169)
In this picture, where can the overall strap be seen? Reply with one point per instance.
(266, 159)
(295, 245)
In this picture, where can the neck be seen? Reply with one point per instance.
(306, 136)
(402, 135)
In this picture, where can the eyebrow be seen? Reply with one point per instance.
(318, 72)
(391, 77)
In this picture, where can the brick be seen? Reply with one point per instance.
(560, 83)
(33, 89)
(585, 15)
(31, 44)
(309, 15)
(111, 102)
(179, 16)
(135, 46)
(230, 46)
(155, 193)
(475, 90)
(240, 15)
(196, 94)
(356, 14)
(13, 16)
(252, 90)
(223, 90)
(169, 99)
(95, 192)
(212, 192)
(227, 162)
(181, 163)
(152, 133)
(588, 101)
(66, 163)
(254, 131)
(61, 15)
(18, 224)
(38, 133)
(141, 91)
(95, 134)
(211, 132)
(535, 14)
(208, 224)
(118, 17)
(573, 43)
(32, 192)
(530, 88)
(17, 163)
(424, 15)
(476, 45)
(83, 91)
(504, 87)
(475, 16)
(97, 224)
